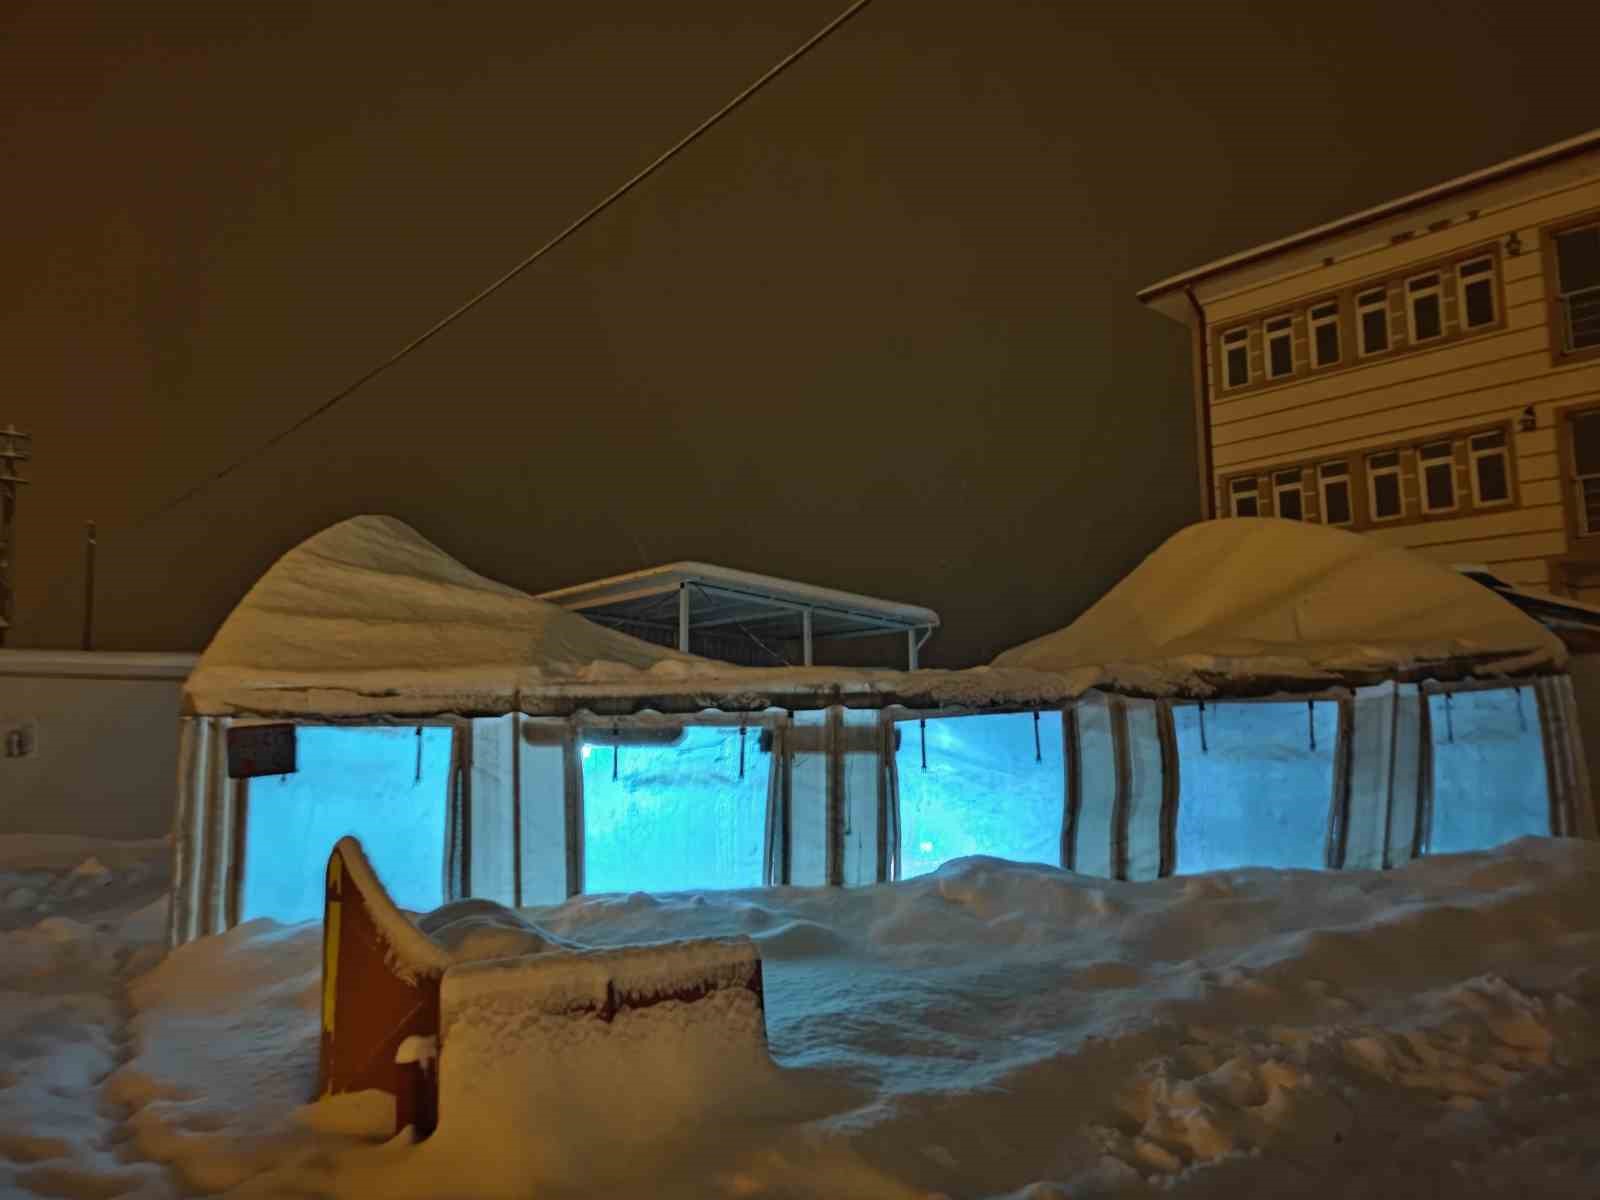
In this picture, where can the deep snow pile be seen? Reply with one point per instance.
(990, 1029)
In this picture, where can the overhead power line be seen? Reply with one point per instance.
(460, 311)
(661, 160)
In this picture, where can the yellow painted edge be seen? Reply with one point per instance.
(330, 942)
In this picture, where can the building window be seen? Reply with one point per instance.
(1245, 502)
(1287, 500)
(1324, 321)
(1586, 470)
(1280, 347)
(1383, 485)
(1438, 477)
(1491, 468)
(1334, 480)
(1424, 311)
(1476, 279)
(1372, 321)
(1236, 357)
(1578, 287)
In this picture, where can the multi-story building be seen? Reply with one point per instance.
(1426, 372)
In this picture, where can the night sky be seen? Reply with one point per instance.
(876, 331)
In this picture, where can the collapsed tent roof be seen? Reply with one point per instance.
(1258, 602)
(369, 618)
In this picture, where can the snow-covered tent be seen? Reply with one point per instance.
(1255, 692)
(482, 742)
(1310, 698)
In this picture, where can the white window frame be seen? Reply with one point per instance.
(1422, 477)
(1412, 295)
(1566, 298)
(1270, 335)
(1580, 482)
(1373, 472)
(1314, 323)
(1280, 486)
(1474, 454)
(1239, 336)
(1365, 305)
(1324, 479)
(1491, 277)
(1236, 491)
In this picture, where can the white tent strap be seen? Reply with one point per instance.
(208, 834)
(1572, 811)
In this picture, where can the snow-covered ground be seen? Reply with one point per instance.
(991, 1029)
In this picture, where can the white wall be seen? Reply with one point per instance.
(104, 733)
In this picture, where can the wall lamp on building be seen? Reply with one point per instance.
(1529, 421)
(1513, 244)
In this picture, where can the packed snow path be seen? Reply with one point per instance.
(990, 1030)
(77, 920)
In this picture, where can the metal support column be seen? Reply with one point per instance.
(911, 649)
(683, 617)
(805, 633)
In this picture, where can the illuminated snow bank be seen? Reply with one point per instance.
(978, 1031)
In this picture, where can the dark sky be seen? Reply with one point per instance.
(876, 331)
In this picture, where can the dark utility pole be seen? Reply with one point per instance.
(89, 545)
(14, 451)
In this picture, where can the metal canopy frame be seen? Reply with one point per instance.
(668, 604)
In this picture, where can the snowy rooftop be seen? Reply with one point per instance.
(1406, 208)
(676, 602)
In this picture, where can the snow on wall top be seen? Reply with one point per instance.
(1269, 597)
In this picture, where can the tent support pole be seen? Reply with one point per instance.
(683, 617)
(805, 633)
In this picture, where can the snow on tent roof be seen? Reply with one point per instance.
(371, 606)
(1249, 604)
(369, 618)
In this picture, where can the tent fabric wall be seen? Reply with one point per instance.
(1147, 807)
(546, 774)
(1260, 784)
(1410, 770)
(206, 831)
(858, 751)
(491, 808)
(1383, 788)
(1096, 749)
(832, 793)
(1562, 735)
(1121, 779)
(1487, 784)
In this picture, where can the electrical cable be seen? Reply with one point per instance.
(483, 294)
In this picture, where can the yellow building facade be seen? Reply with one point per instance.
(1426, 372)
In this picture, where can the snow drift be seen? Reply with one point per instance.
(988, 1030)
